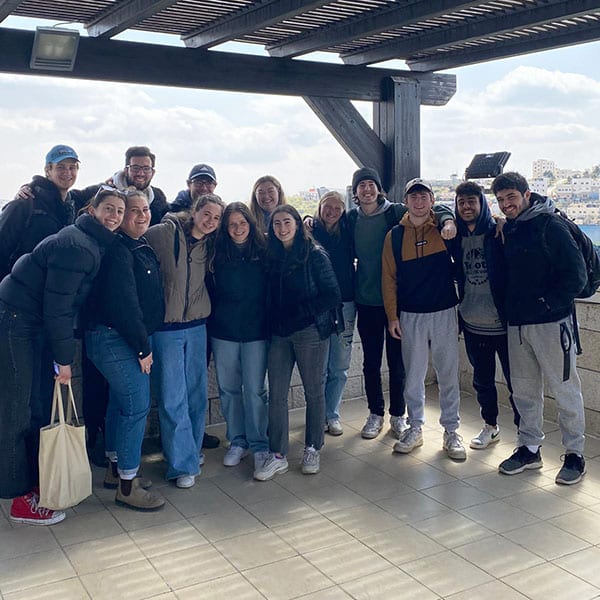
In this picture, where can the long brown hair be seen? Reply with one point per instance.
(255, 209)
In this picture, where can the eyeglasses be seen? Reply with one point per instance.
(205, 182)
(109, 190)
(138, 169)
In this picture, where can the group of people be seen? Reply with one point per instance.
(153, 288)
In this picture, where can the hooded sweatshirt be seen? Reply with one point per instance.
(481, 274)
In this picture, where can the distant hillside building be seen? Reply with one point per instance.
(541, 166)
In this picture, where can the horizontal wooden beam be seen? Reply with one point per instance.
(472, 29)
(131, 62)
(368, 24)
(7, 7)
(350, 129)
(125, 15)
(246, 21)
(514, 47)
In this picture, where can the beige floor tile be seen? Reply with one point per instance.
(452, 529)
(390, 584)
(498, 556)
(402, 544)
(347, 561)
(583, 564)
(300, 578)
(162, 539)
(549, 581)
(364, 520)
(34, 570)
(392, 464)
(131, 520)
(494, 589)
(331, 498)
(248, 491)
(93, 503)
(187, 567)
(312, 534)
(25, 539)
(420, 476)
(583, 523)
(296, 481)
(202, 499)
(446, 573)
(332, 593)
(68, 589)
(542, 504)
(226, 524)
(134, 581)
(86, 527)
(231, 586)
(457, 495)
(545, 540)
(461, 470)
(254, 549)
(500, 486)
(98, 555)
(499, 516)
(280, 511)
(412, 507)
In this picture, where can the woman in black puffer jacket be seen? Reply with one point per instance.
(39, 301)
(124, 309)
(303, 294)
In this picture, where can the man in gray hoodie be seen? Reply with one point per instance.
(546, 272)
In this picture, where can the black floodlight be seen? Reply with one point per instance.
(484, 166)
(54, 49)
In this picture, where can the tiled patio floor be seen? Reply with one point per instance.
(370, 525)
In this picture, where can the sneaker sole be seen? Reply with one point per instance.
(530, 466)
(227, 463)
(459, 457)
(475, 446)
(45, 522)
(334, 433)
(139, 508)
(407, 450)
(309, 471)
(368, 435)
(269, 477)
(572, 482)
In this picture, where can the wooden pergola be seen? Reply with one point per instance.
(429, 35)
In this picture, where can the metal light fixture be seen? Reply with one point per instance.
(485, 166)
(54, 49)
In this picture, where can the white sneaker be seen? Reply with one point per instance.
(453, 445)
(410, 439)
(488, 435)
(372, 427)
(271, 467)
(201, 459)
(311, 461)
(334, 427)
(398, 425)
(234, 455)
(259, 459)
(186, 481)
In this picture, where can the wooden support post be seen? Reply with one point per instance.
(398, 125)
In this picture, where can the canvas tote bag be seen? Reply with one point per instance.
(65, 474)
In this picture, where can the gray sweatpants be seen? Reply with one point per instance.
(419, 330)
(536, 356)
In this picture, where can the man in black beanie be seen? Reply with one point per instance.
(374, 216)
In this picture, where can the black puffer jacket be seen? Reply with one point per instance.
(51, 283)
(128, 294)
(301, 293)
(237, 291)
(24, 223)
(546, 270)
(340, 249)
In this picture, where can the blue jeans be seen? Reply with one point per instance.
(338, 363)
(25, 399)
(180, 370)
(309, 351)
(241, 368)
(128, 396)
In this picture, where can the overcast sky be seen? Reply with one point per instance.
(544, 105)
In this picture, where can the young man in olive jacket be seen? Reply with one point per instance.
(546, 271)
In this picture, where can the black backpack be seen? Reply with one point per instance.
(588, 252)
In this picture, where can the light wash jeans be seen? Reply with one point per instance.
(338, 363)
(536, 357)
(241, 368)
(129, 396)
(309, 352)
(180, 369)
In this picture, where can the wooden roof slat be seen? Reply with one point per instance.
(7, 6)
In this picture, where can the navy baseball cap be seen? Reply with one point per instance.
(202, 170)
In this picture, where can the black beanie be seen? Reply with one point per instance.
(365, 173)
